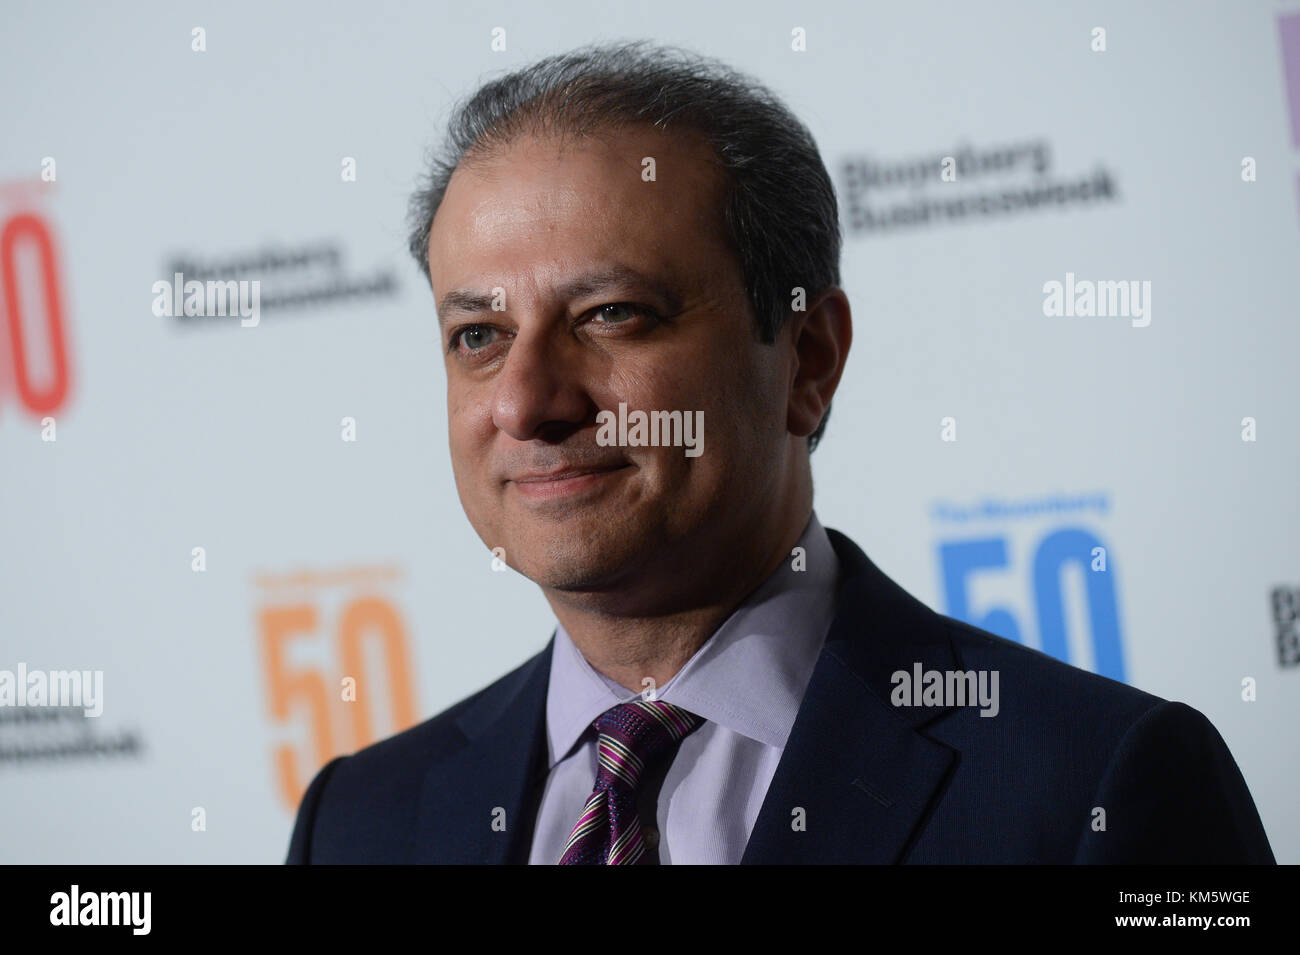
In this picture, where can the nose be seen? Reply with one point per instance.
(539, 392)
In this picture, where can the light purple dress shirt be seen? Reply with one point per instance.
(746, 681)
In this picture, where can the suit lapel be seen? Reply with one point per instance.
(500, 767)
(858, 767)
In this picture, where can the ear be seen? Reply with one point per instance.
(821, 338)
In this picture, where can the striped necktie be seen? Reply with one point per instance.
(631, 735)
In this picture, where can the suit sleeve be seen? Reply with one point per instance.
(1173, 795)
(300, 845)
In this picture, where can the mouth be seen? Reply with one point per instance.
(566, 482)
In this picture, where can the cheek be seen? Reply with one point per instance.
(469, 412)
(671, 379)
(469, 434)
(642, 386)
(746, 395)
(764, 385)
(742, 395)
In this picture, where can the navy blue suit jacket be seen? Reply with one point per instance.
(877, 783)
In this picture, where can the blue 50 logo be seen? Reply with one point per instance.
(962, 560)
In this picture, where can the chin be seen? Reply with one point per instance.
(573, 561)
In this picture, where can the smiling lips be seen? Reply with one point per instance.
(564, 481)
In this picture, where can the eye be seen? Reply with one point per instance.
(616, 313)
(625, 313)
(474, 337)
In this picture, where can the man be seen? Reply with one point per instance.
(634, 231)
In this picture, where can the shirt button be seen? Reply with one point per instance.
(651, 837)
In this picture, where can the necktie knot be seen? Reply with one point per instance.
(632, 734)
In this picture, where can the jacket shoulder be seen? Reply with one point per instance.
(1106, 773)
(371, 797)
(1048, 682)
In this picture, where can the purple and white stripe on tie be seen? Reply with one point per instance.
(631, 736)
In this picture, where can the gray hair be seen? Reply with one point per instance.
(779, 209)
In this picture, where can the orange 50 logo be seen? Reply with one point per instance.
(334, 662)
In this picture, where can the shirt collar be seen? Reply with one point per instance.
(749, 676)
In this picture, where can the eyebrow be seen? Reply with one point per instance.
(587, 284)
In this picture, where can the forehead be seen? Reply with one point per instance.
(635, 194)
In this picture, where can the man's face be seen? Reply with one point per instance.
(610, 289)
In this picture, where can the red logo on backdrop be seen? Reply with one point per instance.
(34, 366)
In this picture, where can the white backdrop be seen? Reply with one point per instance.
(323, 557)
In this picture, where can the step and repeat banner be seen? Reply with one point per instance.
(231, 546)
